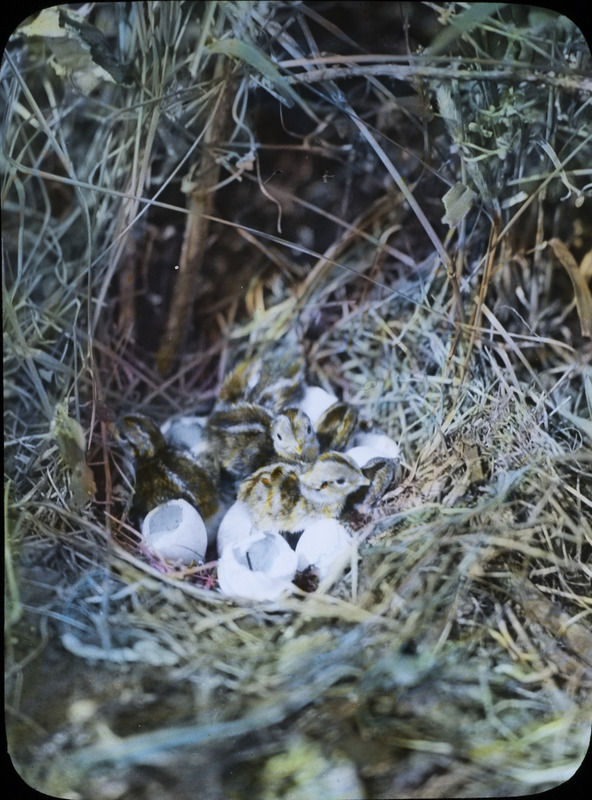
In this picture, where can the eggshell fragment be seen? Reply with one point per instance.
(315, 402)
(324, 545)
(236, 526)
(185, 432)
(383, 445)
(259, 568)
(361, 454)
(176, 531)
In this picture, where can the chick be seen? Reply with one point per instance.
(293, 437)
(328, 482)
(163, 473)
(335, 426)
(238, 439)
(239, 385)
(379, 458)
(247, 436)
(282, 497)
(272, 381)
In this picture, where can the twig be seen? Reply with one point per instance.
(201, 204)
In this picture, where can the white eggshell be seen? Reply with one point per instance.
(383, 445)
(236, 526)
(362, 454)
(186, 432)
(324, 544)
(258, 568)
(315, 402)
(176, 531)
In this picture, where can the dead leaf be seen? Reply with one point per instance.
(580, 285)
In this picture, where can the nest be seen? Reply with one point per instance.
(185, 185)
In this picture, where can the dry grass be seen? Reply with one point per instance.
(156, 228)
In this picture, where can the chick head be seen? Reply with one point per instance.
(142, 434)
(332, 477)
(294, 437)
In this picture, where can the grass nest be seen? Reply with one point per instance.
(407, 192)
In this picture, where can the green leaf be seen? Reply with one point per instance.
(261, 64)
(462, 23)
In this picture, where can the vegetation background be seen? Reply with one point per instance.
(406, 189)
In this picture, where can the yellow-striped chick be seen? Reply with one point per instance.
(283, 498)
(247, 436)
(335, 426)
(272, 380)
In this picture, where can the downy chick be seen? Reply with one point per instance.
(280, 497)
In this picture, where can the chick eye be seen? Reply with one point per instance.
(340, 481)
(308, 429)
(278, 436)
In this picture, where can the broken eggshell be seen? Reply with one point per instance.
(324, 545)
(236, 526)
(258, 568)
(315, 402)
(176, 531)
(381, 445)
(184, 432)
(362, 454)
